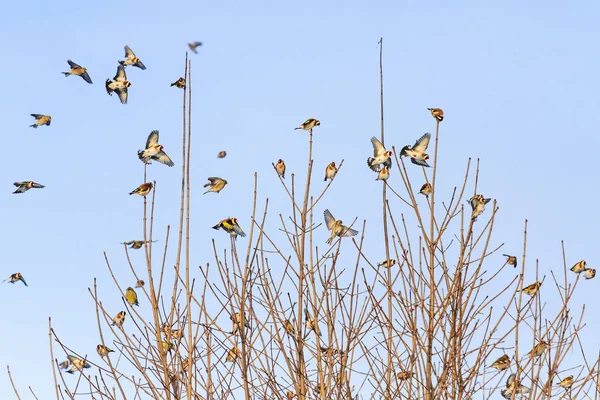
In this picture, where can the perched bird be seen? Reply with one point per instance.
(137, 244)
(387, 263)
(404, 375)
(579, 267)
(79, 71)
(330, 171)
(309, 124)
(416, 152)
(131, 297)
(165, 346)
(131, 59)
(532, 289)
(380, 156)
(14, 278)
(24, 186)
(513, 386)
(41, 119)
(176, 334)
(383, 175)
(119, 319)
(511, 260)
(336, 227)
(103, 350)
(567, 382)
(216, 184)
(230, 225)
(538, 349)
(589, 273)
(222, 154)
(311, 323)
(238, 320)
(143, 189)
(77, 364)
(194, 45)
(280, 168)
(437, 113)
(290, 395)
(478, 203)
(502, 363)
(140, 283)
(232, 354)
(289, 328)
(426, 189)
(331, 351)
(154, 151)
(180, 83)
(119, 85)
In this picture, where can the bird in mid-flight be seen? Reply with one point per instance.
(230, 225)
(336, 227)
(24, 186)
(511, 260)
(14, 278)
(41, 119)
(216, 184)
(154, 151)
(416, 152)
(78, 70)
(136, 244)
(180, 83)
(478, 203)
(380, 156)
(131, 59)
(119, 85)
(194, 45)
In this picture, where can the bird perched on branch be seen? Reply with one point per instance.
(103, 351)
(280, 168)
(437, 113)
(380, 156)
(383, 174)
(131, 59)
(336, 227)
(501, 363)
(232, 354)
(426, 189)
(478, 203)
(230, 225)
(289, 328)
(14, 278)
(78, 70)
(119, 319)
(140, 283)
(143, 189)
(309, 124)
(511, 260)
(579, 267)
(387, 263)
(238, 320)
(41, 119)
(194, 45)
(131, 297)
(179, 83)
(567, 382)
(154, 151)
(532, 289)
(416, 152)
(538, 349)
(330, 171)
(216, 184)
(24, 186)
(119, 85)
(311, 323)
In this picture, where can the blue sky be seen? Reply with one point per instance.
(518, 84)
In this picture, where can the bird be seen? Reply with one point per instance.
(165, 346)
(64, 365)
(14, 278)
(131, 59)
(404, 375)
(336, 227)
(230, 225)
(238, 320)
(77, 364)
(103, 350)
(154, 151)
(538, 349)
(176, 334)
(513, 386)
(511, 260)
(330, 171)
(380, 156)
(426, 189)
(383, 174)
(78, 70)
(216, 184)
(589, 273)
(41, 119)
(478, 203)
(137, 244)
(290, 395)
(579, 267)
(222, 154)
(194, 45)
(143, 189)
(140, 283)
(280, 168)
(309, 124)
(119, 85)
(311, 323)
(232, 354)
(501, 363)
(289, 328)
(387, 263)
(119, 319)
(416, 152)
(131, 297)
(437, 113)
(532, 289)
(24, 186)
(179, 83)
(567, 382)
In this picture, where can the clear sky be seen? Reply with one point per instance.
(518, 84)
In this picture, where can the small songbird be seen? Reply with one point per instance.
(24, 186)
(179, 83)
(567, 382)
(131, 59)
(14, 278)
(426, 189)
(280, 168)
(140, 283)
(103, 350)
(311, 323)
(119, 319)
(41, 119)
(478, 203)
(511, 260)
(404, 375)
(216, 184)
(532, 289)
(176, 334)
(238, 321)
(579, 267)
(64, 364)
(194, 45)
(380, 156)
(136, 244)
(383, 175)
(290, 395)
(143, 189)
(119, 85)
(387, 263)
(131, 297)
(77, 364)
(230, 225)
(416, 152)
(165, 347)
(502, 363)
(222, 154)
(289, 328)
(513, 386)
(538, 349)
(589, 273)
(232, 354)
(154, 151)
(330, 171)
(437, 113)
(79, 71)
(309, 124)
(336, 227)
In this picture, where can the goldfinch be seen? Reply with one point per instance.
(103, 350)
(383, 174)
(216, 184)
(194, 45)
(230, 225)
(119, 319)
(501, 363)
(309, 124)
(154, 151)
(24, 186)
(579, 267)
(77, 364)
(336, 227)
(280, 168)
(589, 273)
(119, 85)
(14, 278)
(567, 382)
(140, 283)
(131, 59)
(478, 203)
(426, 189)
(380, 156)
(511, 260)
(416, 152)
(311, 323)
(330, 171)
(538, 349)
(387, 263)
(532, 289)
(79, 71)
(179, 83)
(41, 119)
(222, 154)
(232, 354)
(238, 321)
(437, 113)
(143, 189)
(137, 244)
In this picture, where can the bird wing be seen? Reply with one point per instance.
(213, 179)
(37, 116)
(152, 139)
(73, 65)
(422, 143)
(162, 157)
(140, 65)
(388, 163)
(329, 220)
(348, 231)
(422, 163)
(122, 93)
(238, 230)
(37, 186)
(129, 52)
(121, 76)
(378, 148)
(86, 77)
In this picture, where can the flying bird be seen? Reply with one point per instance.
(380, 156)
(179, 83)
(437, 113)
(383, 174)
(77, 364)
(41, 119)
(78, 70)
(426, 189)
(336, 227)
(119, 319)
(330, 171)
(194, 45)
(478, 203)
(511, 260)
(230, 225)
(103, 350)
(137, 244)
(131, 59)
(24, 186)
(579, 267)
(501, 363)
(280, 168)
(119, 85)
(216, 184)
(222, 154)
(387, 263)
(154, 151)
(513, 386)
(589, 273)
(131, 297)
(289, 328)
(309, 124)
(14, 278)
(416, 152)
(143, 189)
(532, 289)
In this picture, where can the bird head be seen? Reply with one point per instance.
(425, 156)
(280, 161)
(317, 123)
(127, 84)
(390, 153)
(234, 220)
(332, 164)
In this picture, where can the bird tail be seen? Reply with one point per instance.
(107, 85)
(122, 62)
(403, 151)
(172, 84)
(217, 227)
(297, 128)
(33, 126)
(373, 167)
(66, 73)
(143, 158)
(324, 180)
